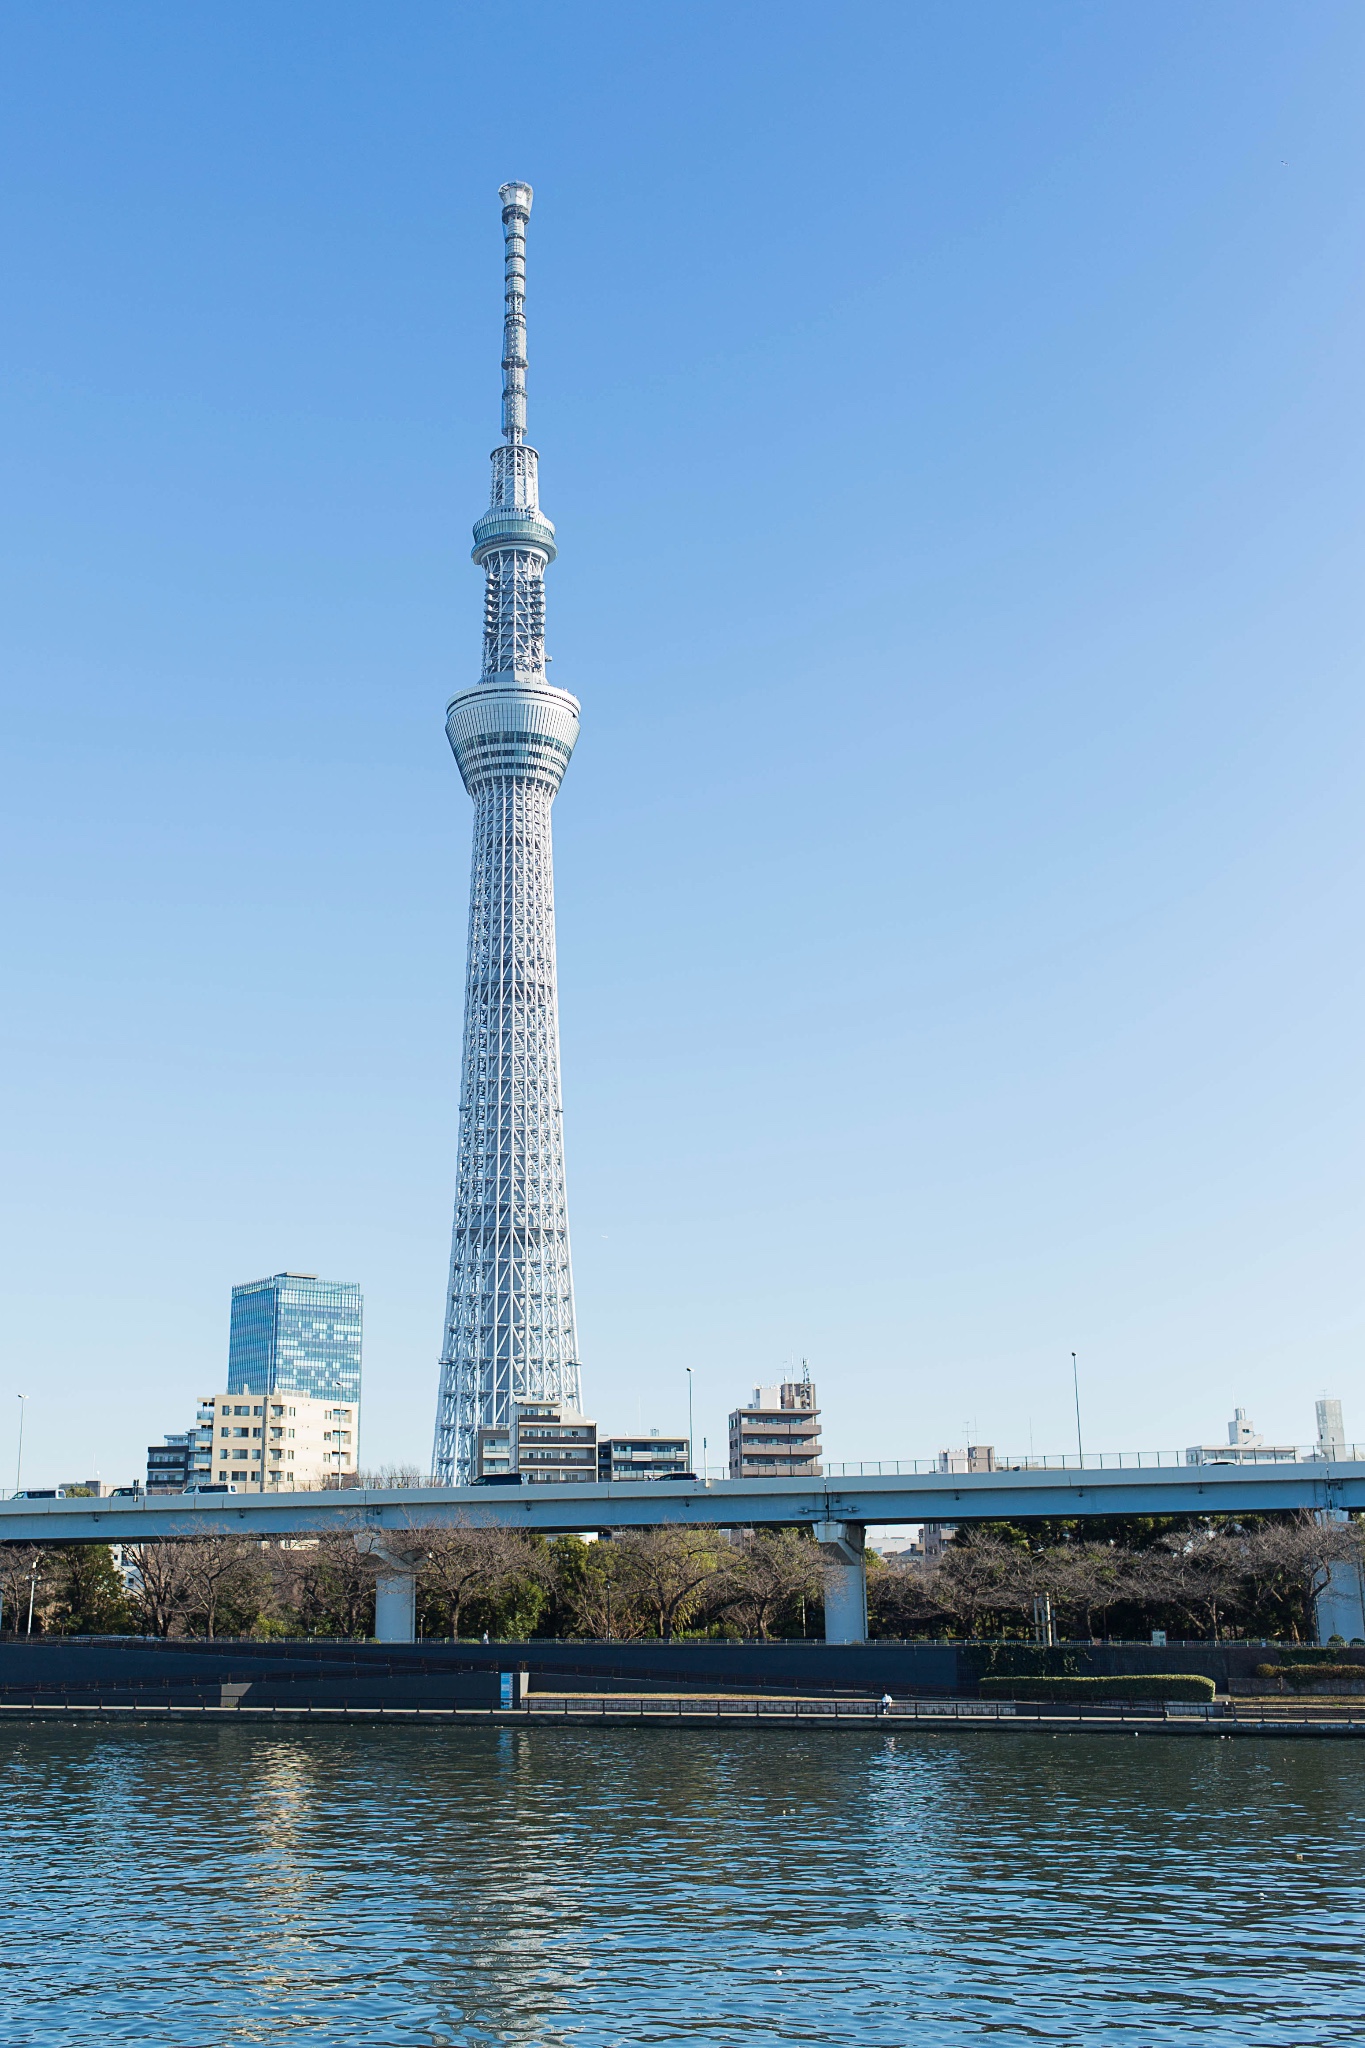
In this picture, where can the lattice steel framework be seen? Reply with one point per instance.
(510, 1329)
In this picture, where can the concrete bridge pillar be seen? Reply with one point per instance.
(395, 1607)
(841, 1546)
(1339, 1608)
(395, 1586)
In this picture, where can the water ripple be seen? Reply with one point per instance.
(560, 1888)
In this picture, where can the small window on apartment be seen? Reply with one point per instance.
(289, 1432)
(289, 1454)
(258, 1411)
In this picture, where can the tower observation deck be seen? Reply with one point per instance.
(509, 1327)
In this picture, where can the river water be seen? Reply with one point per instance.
(197, 1885)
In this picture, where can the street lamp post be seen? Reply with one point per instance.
(1076, 1390)
(19, 1461)
(689, 1416)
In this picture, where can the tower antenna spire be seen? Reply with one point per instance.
(510, 1331)
(516, 211)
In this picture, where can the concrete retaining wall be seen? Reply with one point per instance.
(121, 1669)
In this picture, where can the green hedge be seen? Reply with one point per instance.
(1185, 1685)
(1297, 1676)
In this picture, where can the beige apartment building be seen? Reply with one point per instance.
(777, 1435)
(286, 1443)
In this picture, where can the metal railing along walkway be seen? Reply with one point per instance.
(1247, 1717)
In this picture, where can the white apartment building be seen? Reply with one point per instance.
(968, 1458)
(286, 1443)
(544, 1442)
(1243, 1447)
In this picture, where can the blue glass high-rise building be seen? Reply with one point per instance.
(296, 1334)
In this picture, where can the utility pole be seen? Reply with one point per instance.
(1076, 1390)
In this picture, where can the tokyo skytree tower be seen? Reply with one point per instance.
(509, 1330)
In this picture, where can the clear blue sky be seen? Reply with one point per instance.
(952, 417)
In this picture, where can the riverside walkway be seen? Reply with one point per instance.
(1220, 1721)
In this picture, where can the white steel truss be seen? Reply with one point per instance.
(509, 1330)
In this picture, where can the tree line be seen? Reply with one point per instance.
(1214, 1578)
(1217, 1578)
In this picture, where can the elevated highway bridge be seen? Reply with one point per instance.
(838, 1508)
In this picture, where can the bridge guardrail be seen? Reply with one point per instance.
(1090, 1461)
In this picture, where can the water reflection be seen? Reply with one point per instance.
(582, 1889)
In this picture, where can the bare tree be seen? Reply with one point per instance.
(221, 1570)
(161, 1595)
(1284, 1564)
(1315, 1543)
(326, 1583)
(666, 1570)
(767, 1571)
(904, 1596)
(1196, 1574)
(600, 1597)
(25, 1573)
(464, 1564)
(1085, 1580)
(983, 1578)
